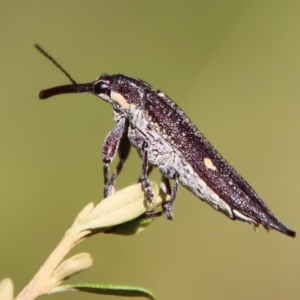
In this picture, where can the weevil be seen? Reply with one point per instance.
(166, 138)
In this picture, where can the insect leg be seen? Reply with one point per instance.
(110, 147)
(144, 177)
(123, 152)
(165, 186)
(168, 207)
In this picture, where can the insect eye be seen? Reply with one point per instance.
(101, 88)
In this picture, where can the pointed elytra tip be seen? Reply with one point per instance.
(291, 233)
(284, 230)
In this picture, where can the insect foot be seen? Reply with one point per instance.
(168, 209)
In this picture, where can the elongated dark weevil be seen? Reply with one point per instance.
(165, 138)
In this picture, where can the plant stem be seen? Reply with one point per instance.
(40, 283)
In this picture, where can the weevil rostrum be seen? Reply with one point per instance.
(166, 138)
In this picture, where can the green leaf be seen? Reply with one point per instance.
(107, 289)
(130, 228)
(70, 267)
(6, 289)
(123, 206)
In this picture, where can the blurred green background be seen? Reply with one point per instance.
(233, 66)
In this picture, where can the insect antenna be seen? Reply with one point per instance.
(41, 50)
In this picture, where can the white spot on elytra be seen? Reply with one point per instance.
(209, 164)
